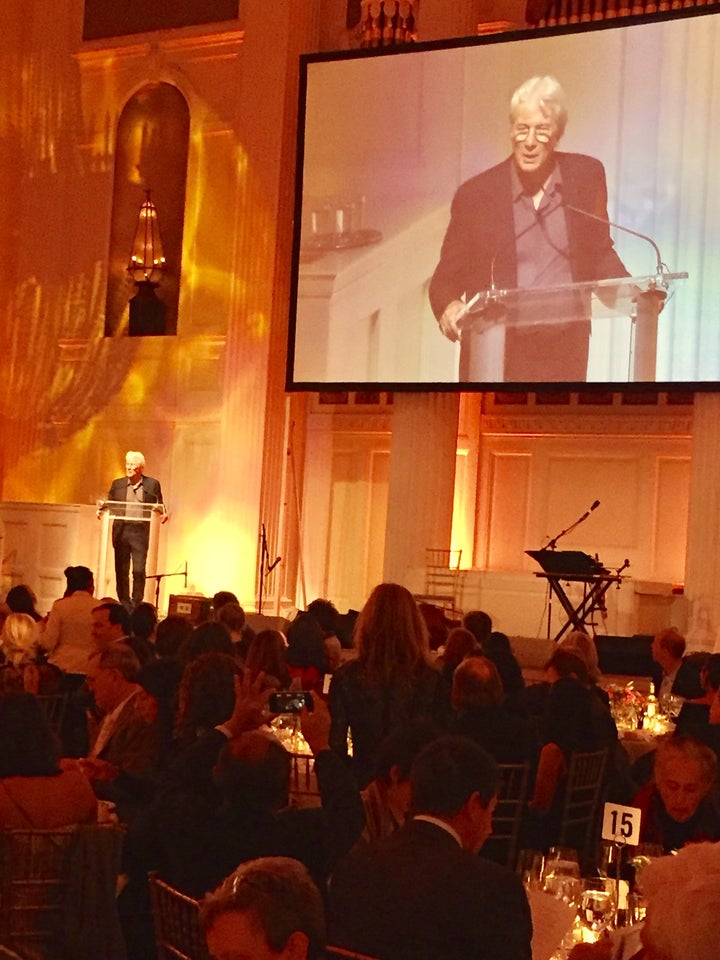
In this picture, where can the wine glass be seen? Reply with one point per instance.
(530, 867)
(561, 876)
(597, 906)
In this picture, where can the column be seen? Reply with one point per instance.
(702, 565)
(422, 478)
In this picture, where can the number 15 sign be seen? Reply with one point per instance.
(621, 824)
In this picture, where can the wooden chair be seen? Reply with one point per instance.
(502, 845)
(584, 791)
(57, 893)
(304, 790)
(442, 575)
(177, 926)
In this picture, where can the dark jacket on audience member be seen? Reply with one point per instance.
(371, 712)
(195, 838)
(419, 896)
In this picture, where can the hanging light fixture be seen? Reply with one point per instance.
(146, 266)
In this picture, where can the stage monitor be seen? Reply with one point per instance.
(582, 258)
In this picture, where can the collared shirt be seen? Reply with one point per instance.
(542, 247)
(443, 824)
(134, 497)
(107, 726)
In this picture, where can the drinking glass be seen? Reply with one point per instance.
(561, 876)
(530, 867)
(597, 906)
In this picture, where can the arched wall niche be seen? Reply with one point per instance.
(151, 153)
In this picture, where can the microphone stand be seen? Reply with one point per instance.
(266, 567)
(552, 544)
(159, 577)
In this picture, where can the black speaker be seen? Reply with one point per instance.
(626, 655)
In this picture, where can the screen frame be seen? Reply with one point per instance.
(307, 61)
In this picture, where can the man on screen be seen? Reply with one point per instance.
(529, 222)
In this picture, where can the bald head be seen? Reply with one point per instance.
(476, 685)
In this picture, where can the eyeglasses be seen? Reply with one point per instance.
(521, 131)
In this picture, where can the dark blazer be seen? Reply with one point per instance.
(195, 839)
(419, 895)
(151, 493)
(482, 230)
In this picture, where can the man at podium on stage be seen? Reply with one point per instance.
(536, 220)
(131, 534)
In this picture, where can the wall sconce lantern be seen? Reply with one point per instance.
(146, 266)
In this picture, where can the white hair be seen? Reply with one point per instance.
(546, 92)
(683, 903)
(134, 456)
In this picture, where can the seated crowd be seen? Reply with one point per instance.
(167, 729)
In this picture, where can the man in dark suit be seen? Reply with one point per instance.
(131, 536)
(529, 222)
(423, 892)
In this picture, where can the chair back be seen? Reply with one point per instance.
(581, 804)
(177, 924)
(57, 893)
(304, 789)
(442, 575)
(502, 845)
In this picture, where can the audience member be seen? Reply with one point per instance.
(34, 791)
(583, 646)
(143, 622)
(423, 892)
(574, 721)
(306, 657)
(496, 647)
(460, 643)
(232, 616)
(24, 668)
(122, 760)
(206, 695)
(268, 909)
(677, 805)
(676, 674)
(68, 634)
(696, 713)
(327, 616)
(21, 599)
(390, 682)
(111, 624)
(267, 654)
(210, 637)
(220, 599)
(386, 798)
(196, 835)
(480, 712)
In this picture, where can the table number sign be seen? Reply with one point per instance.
(621, 824)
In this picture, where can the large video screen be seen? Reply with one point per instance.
(460, 228)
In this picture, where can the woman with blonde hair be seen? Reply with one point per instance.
(391, 682)
(23, 669)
